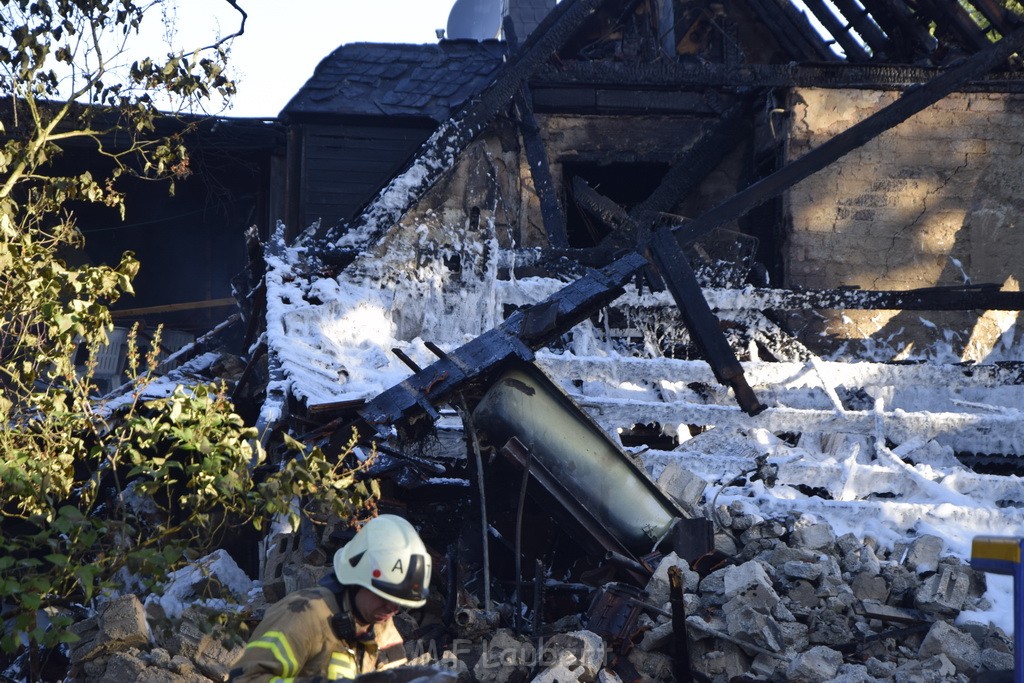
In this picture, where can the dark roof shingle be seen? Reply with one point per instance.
(397, 80)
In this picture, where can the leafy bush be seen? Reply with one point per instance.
(87, 497)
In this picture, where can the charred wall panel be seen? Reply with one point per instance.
(345, 164)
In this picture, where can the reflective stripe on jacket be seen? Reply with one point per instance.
(295, 642)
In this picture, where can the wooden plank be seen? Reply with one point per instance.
(171, 308)
(950, 378)
(854, 51)
(989, 433)
(537, 160)
(704, 327)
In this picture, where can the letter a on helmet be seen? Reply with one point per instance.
(388, 558)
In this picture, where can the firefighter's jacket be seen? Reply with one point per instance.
(298, 641)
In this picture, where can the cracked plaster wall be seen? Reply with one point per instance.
(938, 200)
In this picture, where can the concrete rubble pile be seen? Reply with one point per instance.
(790, 601)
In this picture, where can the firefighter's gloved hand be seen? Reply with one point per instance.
(409, 674)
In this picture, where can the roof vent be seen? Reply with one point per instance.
(475, 20)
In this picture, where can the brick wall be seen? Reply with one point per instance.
(937, 199)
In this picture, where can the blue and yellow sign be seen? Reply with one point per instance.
(1002, 555)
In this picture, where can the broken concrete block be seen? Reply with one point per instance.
(723, 663)
(853, 673)
(120, 625)
(724, 543)
(712, 588)
(752, 626)
(828, 627)
(756, 597)
(657, 588)
(739, 579)
(814, 535)
(769, 530)
(560, 672)
(815, 665)
(869, 561)
(652, 664)
(959, 647)
(802, 570)
(681, 484)
(944, 593)
(923, 554)
(802, 596)
(583, 652)
(867, 586)
(607, 676)
(978, 580)
(738, 510)
(848, 543)
(215, 577)
(724, 515)
(782, 613)
(900, 580)
(765, 666)
(880, 669)
(780, 555)
(939, 664)
(505, 658)
(125, 666)
(795, 635)
(192, 639)
(657, 638)
(996, 660)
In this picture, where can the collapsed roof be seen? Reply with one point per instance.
(478, 255)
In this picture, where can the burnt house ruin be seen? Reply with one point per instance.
(635, 230)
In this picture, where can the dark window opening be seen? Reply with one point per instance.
(649, 435)
(627, 184)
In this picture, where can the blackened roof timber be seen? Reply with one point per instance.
(666, 75)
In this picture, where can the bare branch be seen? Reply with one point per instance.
(240, 31)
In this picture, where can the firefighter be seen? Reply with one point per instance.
(343, 627)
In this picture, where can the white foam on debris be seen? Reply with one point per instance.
(333, 340)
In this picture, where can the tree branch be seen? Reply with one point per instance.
(240, 31)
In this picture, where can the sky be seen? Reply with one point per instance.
(284, 41)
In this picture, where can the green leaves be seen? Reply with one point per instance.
(84, 499)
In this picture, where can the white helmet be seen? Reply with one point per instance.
(388, 558)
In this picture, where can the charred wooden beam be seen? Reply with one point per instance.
(867, 29)
(623, 98)
(982, 432)
(954, 298)
(855, 136)
(952, 19)
(516, 338)
(793, 31)
(678, 276)
(605, 210)
(854, 51)
(674, 270)
(680, 641)
(543, 182)
(907, 35)
(687, 75)
(1002, 19)
(438, 154)
(537, 158)
(703, 156)
(975, 297)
